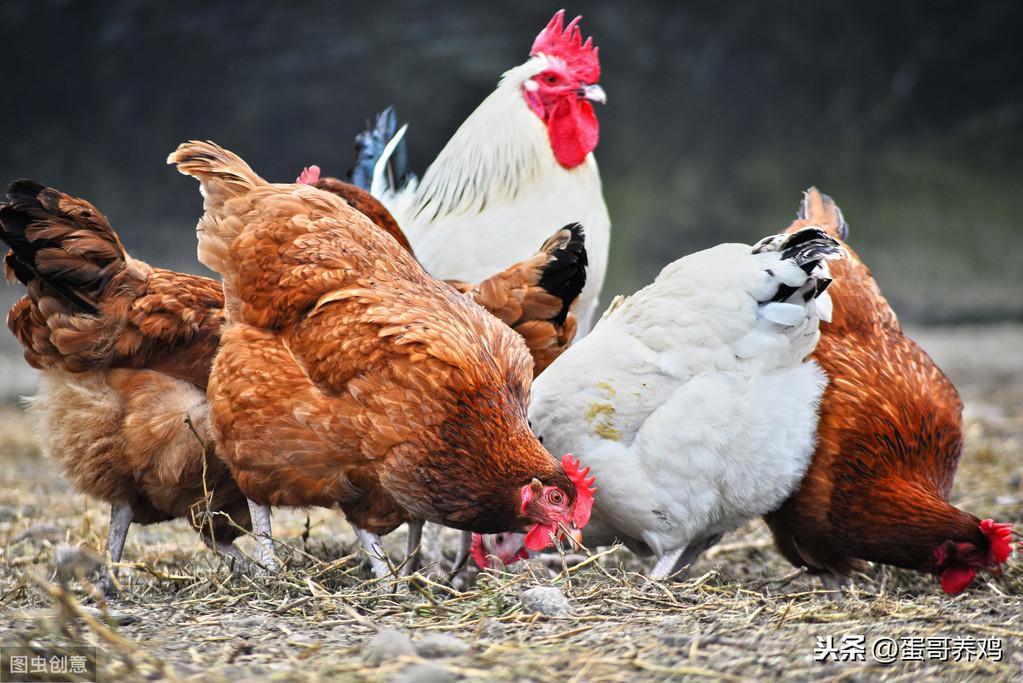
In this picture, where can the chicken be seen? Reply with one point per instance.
(889, 441)
(692, 399)
(348, 376)
(536, 297)
(521, 163)
(124, 351)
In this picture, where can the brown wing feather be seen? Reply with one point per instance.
(366, 204)
(535, 297)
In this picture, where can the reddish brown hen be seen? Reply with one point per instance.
(348, 376)
(889, 441)
(124, 351)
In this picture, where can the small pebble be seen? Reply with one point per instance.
(425, 673)
(72, 561)
(388, 644)
(546, 600)
(437, 645)
(492, 629)
(110, 616)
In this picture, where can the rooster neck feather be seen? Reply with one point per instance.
(501, 148)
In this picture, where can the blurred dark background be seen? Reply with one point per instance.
(719, 114)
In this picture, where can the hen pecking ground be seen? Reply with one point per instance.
(743, 615)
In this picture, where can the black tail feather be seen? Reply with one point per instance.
(63, 242)
(808, 248)
(369, 146)
(565, 273)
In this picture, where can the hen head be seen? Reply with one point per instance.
(561, 86)
(958, 562)
(551, 512)
(507, 547)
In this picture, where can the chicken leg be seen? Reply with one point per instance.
(461, 555)
(675, 564)
(230, 552)
(413, 547)
(266, 557)
(374, 548)
(121, 517)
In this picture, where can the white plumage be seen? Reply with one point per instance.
(692, 400)
(496, 192)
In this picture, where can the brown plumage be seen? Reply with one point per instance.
(535, 297)
(348, 376)
(125, 351)
(890, 437)
(366, 204)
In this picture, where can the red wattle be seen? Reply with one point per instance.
(573, 131)
(956, 578)
(540, 536)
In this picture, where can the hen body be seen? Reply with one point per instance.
(124, 352)
(348, 376)
(889, 439)
(692, 399)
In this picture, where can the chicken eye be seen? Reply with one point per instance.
(556, 497)
(551, 79)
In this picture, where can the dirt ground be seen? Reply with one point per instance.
(743, 615)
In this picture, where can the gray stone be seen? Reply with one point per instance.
(71, 561)
(112, 617)
(546, 600)
(387, 645)
(425, 673)
(440, 645)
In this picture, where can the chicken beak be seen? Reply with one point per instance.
(593, 93)
(577, 536)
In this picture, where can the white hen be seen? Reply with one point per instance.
(693, 401)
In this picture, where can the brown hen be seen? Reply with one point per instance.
(348, 376)
(889, 440)
(124, 351)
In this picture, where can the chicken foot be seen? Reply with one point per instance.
(461, 555)
(266, 557)
(835, 585)
(121, 517)
(373, 547)
(231, 553)
(413, 547)
(675, 564)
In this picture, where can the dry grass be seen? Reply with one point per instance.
(745, 614)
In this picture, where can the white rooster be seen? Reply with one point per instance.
(521, 165)
(693, 401)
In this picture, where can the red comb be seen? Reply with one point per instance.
(1000, 537)
(566, 43)
(309, 175)
(584, 489)
(479, 555)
